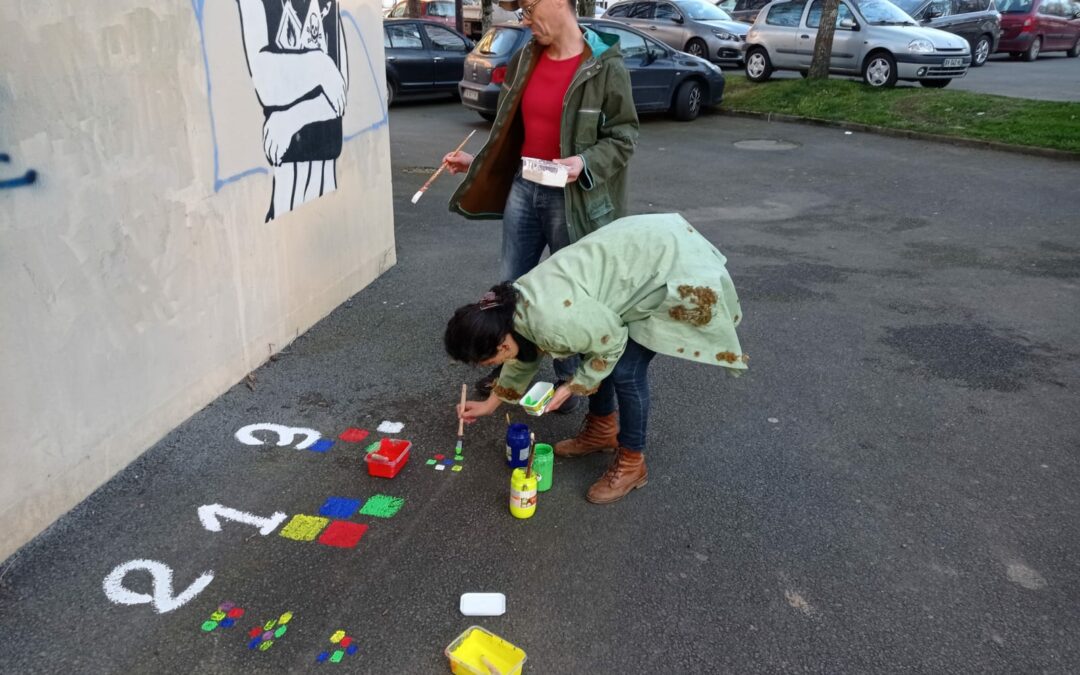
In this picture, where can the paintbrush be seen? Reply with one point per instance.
(489, 665)
(461, 421)
(420, 193)
(532, 453)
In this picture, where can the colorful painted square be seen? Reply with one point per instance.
(227, 623)
(440, 457)
(352, 649)
(343, 534)
(431, 462)
(440, 467)
(322, 445)
(218, 615)
(209, 625)
(322, 657)
(285, 618)
(280, 631)
(338, 655)
(339, 507)
(346, 641)
(353, 435)
(303, 528)
(372, 448)
(456, 468)
(382, 506)
(236, 612)
(337, 637)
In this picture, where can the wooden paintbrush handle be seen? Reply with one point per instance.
(461, 421)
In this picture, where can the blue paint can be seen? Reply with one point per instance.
(517, 445)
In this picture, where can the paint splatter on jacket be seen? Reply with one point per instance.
(650, 278)
(599, 123)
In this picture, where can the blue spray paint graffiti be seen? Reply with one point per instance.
(28, 178)
(220, 181)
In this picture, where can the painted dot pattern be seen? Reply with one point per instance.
(264, 636)
(382, 506)
(341, 645)
(224, 616)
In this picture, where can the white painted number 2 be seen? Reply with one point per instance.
(211, 515)
(286, 435)
(162, 598)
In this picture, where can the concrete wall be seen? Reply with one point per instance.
(139, 274)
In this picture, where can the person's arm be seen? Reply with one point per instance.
(281, 79)
(515, 378)
(618, 131)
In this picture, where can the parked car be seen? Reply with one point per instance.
(977, 21)
(747, 10)
(443, 12)
(874, 39)
(692, 26)
(422, 57)
(1031, 27)
(662, 78)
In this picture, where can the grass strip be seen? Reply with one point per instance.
(962, 114)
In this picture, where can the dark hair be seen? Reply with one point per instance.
(474, 332)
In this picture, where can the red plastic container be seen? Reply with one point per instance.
(386, 462)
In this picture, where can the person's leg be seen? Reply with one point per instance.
(523, 238)
(630, 381)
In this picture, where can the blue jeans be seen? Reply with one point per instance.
(534, 218)
(629, 383)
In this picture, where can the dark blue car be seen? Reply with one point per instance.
(663, 79)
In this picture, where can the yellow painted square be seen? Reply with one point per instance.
(304, 528)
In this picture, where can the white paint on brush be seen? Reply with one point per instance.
(210, 516)
(162, 598)
(416, 197)
(388, 427)
(286, 435)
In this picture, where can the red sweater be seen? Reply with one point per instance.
(542, 106)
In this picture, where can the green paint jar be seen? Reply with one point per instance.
(544, 465)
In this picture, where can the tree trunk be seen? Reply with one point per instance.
(485, 16)
(412, 8)
(459, 16)
(819, 66)
(586, 8)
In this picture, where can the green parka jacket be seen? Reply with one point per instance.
(599, 124)
(652, 279)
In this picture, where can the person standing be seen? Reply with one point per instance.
(566, 98)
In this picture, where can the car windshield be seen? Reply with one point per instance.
(1015, 6)
(699, 10)
(884, 13)
(909, 6)
(498, 41)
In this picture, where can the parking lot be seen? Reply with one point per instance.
(890, 488)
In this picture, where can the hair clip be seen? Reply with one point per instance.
(489, 301)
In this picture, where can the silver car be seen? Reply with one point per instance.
(693, 26)
(874, 39)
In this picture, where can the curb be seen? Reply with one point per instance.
(1048, 153)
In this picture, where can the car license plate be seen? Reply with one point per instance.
(470, 95)
(952, 63)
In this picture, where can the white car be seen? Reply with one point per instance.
(874, 39)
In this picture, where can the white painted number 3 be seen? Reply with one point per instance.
(162, 598)
(286, 435)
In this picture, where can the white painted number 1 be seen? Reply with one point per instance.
(162, 598)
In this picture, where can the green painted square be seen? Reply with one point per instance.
(303, 528)
(338, 655)
(459, 458)
(209, 625)
(382, 506)
(431, 462)
(266, 645)
(372, 448)
(456, 467)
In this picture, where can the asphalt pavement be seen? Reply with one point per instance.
(1053, 77)
(891, 487)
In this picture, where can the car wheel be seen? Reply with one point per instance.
(879, 71)
(697, 48)
(391, 92)
(935, 84)
(758, 66)
(1032, 52)
(980, 51)
(490, 117)
(1075, 51)
(688, 100)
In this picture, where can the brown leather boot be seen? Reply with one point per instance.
(598, 432)
(625, 473)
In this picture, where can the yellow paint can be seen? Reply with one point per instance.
(522, 494)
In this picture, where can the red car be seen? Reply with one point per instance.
(1031, 27)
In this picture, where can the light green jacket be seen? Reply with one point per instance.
(653, 279)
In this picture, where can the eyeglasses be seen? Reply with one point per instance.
(527, 12)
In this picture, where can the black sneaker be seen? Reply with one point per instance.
(486, 383)
(570, 404)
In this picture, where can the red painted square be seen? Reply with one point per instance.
(353, 435)
(236, 613)
(440, 457)
(255, 632)
(342, 534)
(345, 642)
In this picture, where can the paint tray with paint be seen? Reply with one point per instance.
(536, 399)
(544, 172)
(478, 651)
(387, 461)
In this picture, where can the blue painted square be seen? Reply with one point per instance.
(448, 462)
(254, 644)
(322, 445)
(227, 623)
(351, 649)
(339, 507)
(322, 657)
